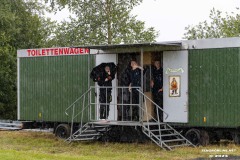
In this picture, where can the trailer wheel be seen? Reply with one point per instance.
(62, 131)
(193, 135)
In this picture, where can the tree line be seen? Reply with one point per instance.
(23, 25)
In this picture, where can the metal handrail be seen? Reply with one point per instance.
(86, 103)
(115, 103)
(76, 101)
(149, 115)
(94, 87)
(153, 103)
(83, 96)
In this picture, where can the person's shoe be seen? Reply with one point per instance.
(104, 120)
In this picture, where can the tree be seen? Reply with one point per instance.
(21, 26)
(8, 96)
(218, 27)
(102, 22)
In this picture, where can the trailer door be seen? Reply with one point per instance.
(175, 86)
(105, 58)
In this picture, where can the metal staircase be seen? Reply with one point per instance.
(88, 132)
(160, 133)
(165, 136)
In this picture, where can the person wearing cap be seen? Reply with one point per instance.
(157, 88)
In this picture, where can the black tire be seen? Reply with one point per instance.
(193, 135)
(62, 131)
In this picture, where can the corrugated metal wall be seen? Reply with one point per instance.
(48, 85)
(214, 76)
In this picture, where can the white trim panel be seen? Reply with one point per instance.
(213, 43)
(61, 51)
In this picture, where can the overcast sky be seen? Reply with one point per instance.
(170, 17)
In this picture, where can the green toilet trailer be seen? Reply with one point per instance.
(210, 110)
(51, 79)
(203, 101)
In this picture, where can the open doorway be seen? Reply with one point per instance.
(107, 58)
(148, 88)
(123, 76)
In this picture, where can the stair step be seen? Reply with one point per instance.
(100, 129)
(153, 124)
(104, 126)
(173, 140)
(87, 135)
(92, 130)
(166, 135)
(155, 130)
(83, 139)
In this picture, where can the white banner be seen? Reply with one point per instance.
(63, 51)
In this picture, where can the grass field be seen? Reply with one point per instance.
(22, 145)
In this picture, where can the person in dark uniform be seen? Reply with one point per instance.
(125, 96)
(157, 88)
(105, 96)
(135, 81)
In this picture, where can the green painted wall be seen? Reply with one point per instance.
(214, 87)
(48, 85)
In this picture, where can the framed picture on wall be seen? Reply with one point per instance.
(174, 86)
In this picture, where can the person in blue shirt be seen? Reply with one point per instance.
(157, 88)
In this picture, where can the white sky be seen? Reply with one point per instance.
(170, 17)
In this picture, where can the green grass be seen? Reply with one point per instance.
(22, 145)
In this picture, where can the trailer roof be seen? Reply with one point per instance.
(123, 48)
(115, 46)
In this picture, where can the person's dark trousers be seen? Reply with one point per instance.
(158, 99)
(125, 107)
(104, 99)
(135, 108)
